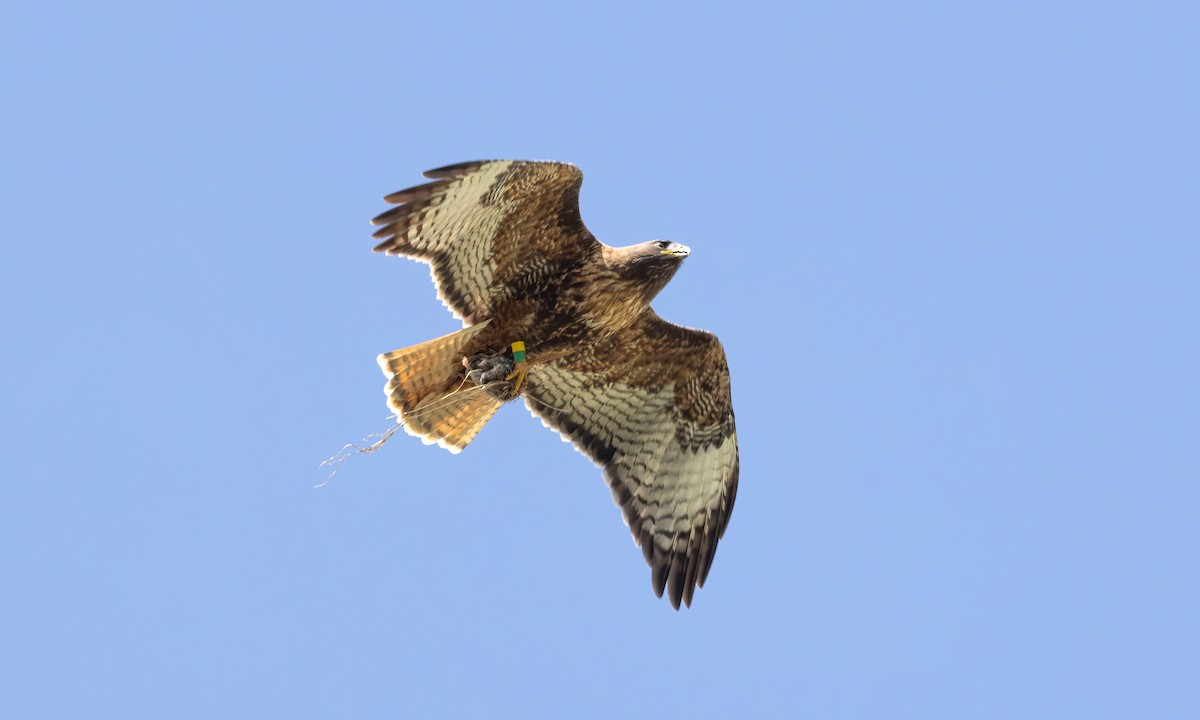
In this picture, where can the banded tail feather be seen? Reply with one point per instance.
(425, 388)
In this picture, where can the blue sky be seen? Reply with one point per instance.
(951, 252)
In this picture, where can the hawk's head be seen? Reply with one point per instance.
(659, 254)
(665, 247)
(649, 265)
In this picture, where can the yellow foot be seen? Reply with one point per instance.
(520, 370)
(517, 376)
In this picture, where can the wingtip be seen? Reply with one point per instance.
(455, 169)
(658, 580)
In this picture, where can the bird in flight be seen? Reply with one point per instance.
(552, 315)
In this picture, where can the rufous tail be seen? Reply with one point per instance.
(426, 390)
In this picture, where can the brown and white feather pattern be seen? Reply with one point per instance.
(483, 226)
(651, 405)
(646, 400)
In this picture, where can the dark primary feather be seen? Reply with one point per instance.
(464, 167)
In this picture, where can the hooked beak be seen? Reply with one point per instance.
(676, 249)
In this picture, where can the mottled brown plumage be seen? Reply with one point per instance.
(646, 400)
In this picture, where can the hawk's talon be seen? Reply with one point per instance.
(517, 376)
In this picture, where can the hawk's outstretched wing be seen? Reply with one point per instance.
(487, 226)
(651, 405)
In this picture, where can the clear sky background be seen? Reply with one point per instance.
(952, 254)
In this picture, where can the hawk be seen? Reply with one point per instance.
(552, 315)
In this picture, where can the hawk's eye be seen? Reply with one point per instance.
(661, 244)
